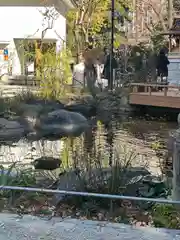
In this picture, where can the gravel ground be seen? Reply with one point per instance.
(32, 228)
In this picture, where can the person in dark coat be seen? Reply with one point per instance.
(162, 65)
(107, 67)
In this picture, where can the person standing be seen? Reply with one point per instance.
(162, 66)
(108, 65)
(78, 73)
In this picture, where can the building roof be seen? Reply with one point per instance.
(64, 5)
(35, 3)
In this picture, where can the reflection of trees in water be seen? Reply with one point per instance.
(92, 148)
(101, 142)
(149, 130)
(110, 141)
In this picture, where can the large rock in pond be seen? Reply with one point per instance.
(47, 163)
(11, 131)
(61, 123)
(87, 110)
(37, 106)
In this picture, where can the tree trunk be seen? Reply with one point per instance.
(170, 12)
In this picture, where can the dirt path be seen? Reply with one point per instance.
(34, 228)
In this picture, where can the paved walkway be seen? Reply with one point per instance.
(13, 90)
(33, 228)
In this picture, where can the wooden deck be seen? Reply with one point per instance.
(150, 95)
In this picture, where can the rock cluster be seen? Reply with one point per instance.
(135, 181)
(40, 119)
(109, 104)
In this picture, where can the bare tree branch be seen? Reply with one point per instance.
(159, 11)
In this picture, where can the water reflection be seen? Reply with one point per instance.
(105, 143)
(25, 152)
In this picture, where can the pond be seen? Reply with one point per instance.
(133, 138)
(129, 142)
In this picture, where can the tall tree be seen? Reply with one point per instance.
(157, 11)
(170, 13)
(90, 22)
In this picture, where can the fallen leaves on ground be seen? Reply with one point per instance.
(40, 205)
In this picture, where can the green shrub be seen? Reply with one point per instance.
(14, 176)
(55, 73)
(166, 216)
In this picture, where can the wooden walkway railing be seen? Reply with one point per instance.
(155, 95)
(149, 88)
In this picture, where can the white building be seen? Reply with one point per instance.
(25, 21)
